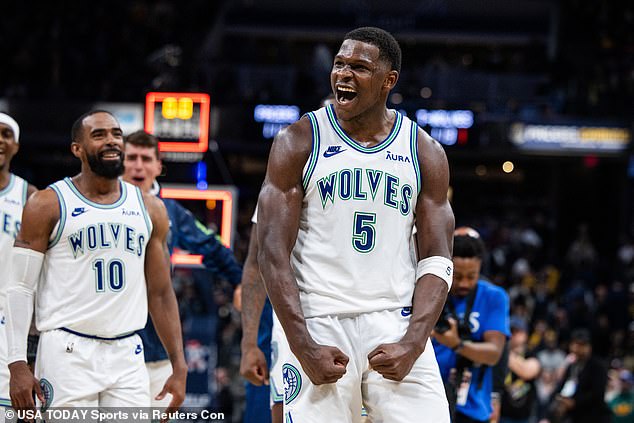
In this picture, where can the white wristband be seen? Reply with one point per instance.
(438, 266)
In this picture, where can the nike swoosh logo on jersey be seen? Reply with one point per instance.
(138, 349)
(406, 311)
(333, 150)
(78, 211)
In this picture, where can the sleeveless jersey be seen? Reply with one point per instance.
(93, 278)
(12, 200)
(353, 252)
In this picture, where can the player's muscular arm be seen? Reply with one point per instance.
(435, 226)
(39, 216)
(279, 208)
(253, 365)
(162, 301)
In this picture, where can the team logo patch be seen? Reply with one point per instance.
(47, 391)
(406, 311)
(292, 382)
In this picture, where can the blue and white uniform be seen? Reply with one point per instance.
(356, 275)
(91, 299)
(12, 200)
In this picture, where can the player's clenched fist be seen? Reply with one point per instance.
(393, 361)
(323, 364)
(253, 366)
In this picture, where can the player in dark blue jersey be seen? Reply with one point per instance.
(471, 334)
(142, 167)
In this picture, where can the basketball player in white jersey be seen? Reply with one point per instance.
(89, 244)
(13, 194)
(345, 186)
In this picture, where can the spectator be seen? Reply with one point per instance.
(519, 396)
(579, 396)
(622, 406)
(474, 334)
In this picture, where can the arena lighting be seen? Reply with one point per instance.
(570, 139)
(179, 120)
(508, 166)
(274, 117)
(225, 195)
(447, 126)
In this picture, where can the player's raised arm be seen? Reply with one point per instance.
(435, 225)
(279, 208)
(162, 301)
(39, 216)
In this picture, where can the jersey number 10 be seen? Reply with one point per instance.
(111, 273)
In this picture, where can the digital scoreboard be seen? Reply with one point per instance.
(448, 127)
(179, 120)
(221, 198)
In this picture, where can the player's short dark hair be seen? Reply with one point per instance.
(389, 50)
(79, 123)
(465, 246)
(141, 138)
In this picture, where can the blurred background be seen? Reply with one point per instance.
(533, 101)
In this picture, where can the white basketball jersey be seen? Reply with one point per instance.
(353, 249)
(93, 278)
(12, 200)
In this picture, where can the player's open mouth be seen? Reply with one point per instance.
(111, 155)
(138, 179)
(345, 94)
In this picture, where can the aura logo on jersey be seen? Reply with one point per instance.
(106, 236)
(397, 158)
(355, 184)
(292, 382)
(12, 202)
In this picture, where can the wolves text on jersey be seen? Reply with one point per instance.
(106, 236)
(356, 184)
(9, 225)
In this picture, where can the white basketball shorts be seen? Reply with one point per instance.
(159, 372)
(76, 371)
(419, 397)
(279, 354)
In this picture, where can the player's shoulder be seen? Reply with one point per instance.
(152, 202)
(42, 205)
(298, 133)
(44, 198)
(427, 145)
